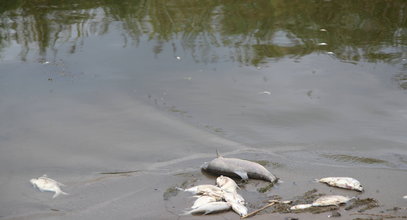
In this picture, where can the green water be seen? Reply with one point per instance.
(252, 32)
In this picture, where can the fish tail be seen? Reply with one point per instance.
(186, 213)
(180, 189)
(59, 192)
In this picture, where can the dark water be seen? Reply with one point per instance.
(318, 87)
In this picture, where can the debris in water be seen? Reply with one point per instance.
(322, 29)
(45, 184)
(405, 197)
(178, 58)
(343, 182)
(265, 93)
(366, 204)
(322, 44)
(334, 214)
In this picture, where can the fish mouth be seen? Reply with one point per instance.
(204, 166)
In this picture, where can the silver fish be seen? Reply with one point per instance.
(206, 190)
(45, 184)
(331, 200)
(300, 206)
(233, 197)
(203, 200)
(227, 184)
(208, 208)
(240, 209)
(235, 167)
(343, 182)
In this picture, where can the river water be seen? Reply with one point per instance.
(312, 88)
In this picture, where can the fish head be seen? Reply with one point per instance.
(221, 181)
(359, 188)
(33, 181)
(205, 166)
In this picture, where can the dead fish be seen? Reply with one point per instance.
(300, 207)
(331, 200)
(226, 183)
(405, 197)
(240, 209)
(233, 197)
(235, 167)
(203, 200)
(208, 208)
(205, 190)
(343, 182)
(45, 184)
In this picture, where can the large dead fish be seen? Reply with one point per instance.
(235, 167)
(343, 182)
(45, 184)
(208, 208)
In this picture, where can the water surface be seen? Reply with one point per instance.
(89, 87)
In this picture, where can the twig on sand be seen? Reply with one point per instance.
(381, 215)
(260, 209)
(121, 172)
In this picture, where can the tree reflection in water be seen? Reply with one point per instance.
(253, 31)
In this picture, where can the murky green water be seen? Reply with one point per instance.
(90, 87)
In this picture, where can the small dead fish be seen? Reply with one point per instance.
(405, 197)
(205, 190)
(240, 209)
(343, 182)
(208, 208)
(233, 197)
(227, 184)
(235, 167)
(300, 207)
(331, 200)
(203, 200)
(45, 184)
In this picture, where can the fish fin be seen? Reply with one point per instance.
(242, 174)
(186, 213)
(60, 184)
(57, 193)
(218, 154)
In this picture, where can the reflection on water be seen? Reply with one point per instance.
(253, 31)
